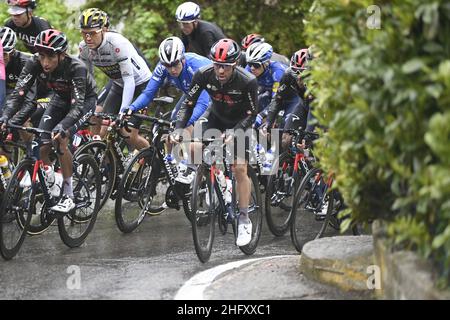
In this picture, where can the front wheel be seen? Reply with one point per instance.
(15, 210)
(75, 226)
(203, 215)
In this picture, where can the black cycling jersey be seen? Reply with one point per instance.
(289, 88)
(202, 38)
(71, 82)
(17, 61)
(28, 35)
(233, 103)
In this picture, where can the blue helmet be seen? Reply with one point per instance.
(187, 12)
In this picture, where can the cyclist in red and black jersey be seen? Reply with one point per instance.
(233, 93)
(73, 103)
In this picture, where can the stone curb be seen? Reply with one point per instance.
(340, 261)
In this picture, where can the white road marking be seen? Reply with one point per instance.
(194, 288)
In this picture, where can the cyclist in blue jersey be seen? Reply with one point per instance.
(177, 67)
(268, 74)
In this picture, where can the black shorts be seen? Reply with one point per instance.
(57, 110)
(298, 118)
(113, 102)
(214, 127)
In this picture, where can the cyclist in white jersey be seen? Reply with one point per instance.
(113, 54)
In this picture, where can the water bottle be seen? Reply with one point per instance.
(58, 185)
(49, 178)
(6, 172)
(260, 153)
(228, 191)
(268, 161)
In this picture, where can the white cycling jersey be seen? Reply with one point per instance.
(119, 60)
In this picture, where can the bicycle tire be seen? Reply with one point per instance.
(278, 217)
(11, 213)
(91, 185)
(255, 213)
(304, 225)
(203, 221)
(108, 169)
(130, 191)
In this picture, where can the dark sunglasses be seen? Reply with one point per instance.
(173, 64)
(255, 65)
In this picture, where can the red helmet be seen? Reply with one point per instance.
(225, 51)
(22, 3)
(300, 59)
(251, 39)
(51, 41)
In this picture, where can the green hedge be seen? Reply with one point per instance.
(384, 94)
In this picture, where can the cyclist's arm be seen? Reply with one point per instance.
(84, 56)
(79, 85)
(187, 108)
(123, 56)
(157, 80)
(200, 107)
(252, 106)
(24, 85)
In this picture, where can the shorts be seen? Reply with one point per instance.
(113, 102)
(297, 118)
(215, 127)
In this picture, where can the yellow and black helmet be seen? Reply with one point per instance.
(93, 18)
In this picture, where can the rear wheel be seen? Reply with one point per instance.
(203, 215)
(15, 210)
(75, 226)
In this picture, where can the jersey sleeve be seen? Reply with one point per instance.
(187, 108)
(158, 77)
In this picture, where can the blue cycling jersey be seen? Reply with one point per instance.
(193, 62)
(270, 79)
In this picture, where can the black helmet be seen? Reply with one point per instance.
(94, 18)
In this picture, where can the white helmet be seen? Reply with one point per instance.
(171, 50)
(259, 52)
(8, 38)
(187, 12)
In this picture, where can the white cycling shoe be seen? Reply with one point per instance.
(65, 205)
(244, 234)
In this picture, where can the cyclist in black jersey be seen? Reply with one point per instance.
(291, 87)
(73, 103)
(25, 25)
(233, 93)
(198, 36)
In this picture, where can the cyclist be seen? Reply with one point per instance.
(72, 104)
(179, 68)
(257, 38)
(290, 97)
(113, 54)
(15, 62)
(198, 35)
(267, 72)
(26, 26)
(234, 95)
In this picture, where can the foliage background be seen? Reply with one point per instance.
(384, 94)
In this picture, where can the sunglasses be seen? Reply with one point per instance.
(171, 65)
(90, 34)
(225, 66)
(255, 65)
(298, 71)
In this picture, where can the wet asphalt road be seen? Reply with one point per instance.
(151, 263)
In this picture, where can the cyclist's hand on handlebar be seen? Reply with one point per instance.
(3, 122)
(175, 138)
(228, 138)
(58, 133)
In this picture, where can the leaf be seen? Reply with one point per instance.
(413, 66)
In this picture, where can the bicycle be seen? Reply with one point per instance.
(145, 173)
(284, 179)
(110, 151)
(208, 203)
(27, 195)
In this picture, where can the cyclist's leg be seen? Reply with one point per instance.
(295, 119)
